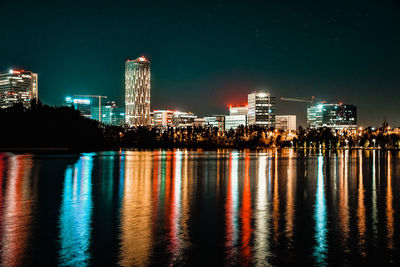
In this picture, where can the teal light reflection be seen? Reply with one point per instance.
(320, 217)
(76, 213)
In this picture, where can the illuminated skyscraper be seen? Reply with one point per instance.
(18, 86)
(261, 109)
(137, 92)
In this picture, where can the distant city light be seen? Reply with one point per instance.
(81, 101)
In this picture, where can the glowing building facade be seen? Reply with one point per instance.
(137, 92)
(238, 110)
(84, 105)
(234, 121)
(172, 118)
(261, 109)
(285, 122)
(18, 86)
(335, 116)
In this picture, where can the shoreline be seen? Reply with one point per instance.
(66, 150)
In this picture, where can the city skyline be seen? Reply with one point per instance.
(343, 51)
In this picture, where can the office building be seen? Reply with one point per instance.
(261, 109)
(239, 110)
(172, 118)
(111, 114)
(234, 121)
(18, 86)
(137, 92)
(215, 121)
(199, 122)
(84, 105)
(183, 118)
(285, 122)
(163, 118)
(335, 116)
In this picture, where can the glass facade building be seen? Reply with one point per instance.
(335, 116)
(84, 105)
(137, 92)
(110, 115)
(18, 86)
(261, 109)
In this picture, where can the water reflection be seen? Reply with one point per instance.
(290, 199)
(261, 243)
(344, 215)
(361, 225)
(136, 215)
(320, 217)
(389, 204)
(176, 232)
(246, 213)
(76, 213)
(17, 208)
(179, 207)
(232, 201)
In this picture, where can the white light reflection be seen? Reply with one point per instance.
(320, 217)
(261, 225)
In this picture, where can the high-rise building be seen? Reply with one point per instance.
(111, 114)
(261, 109)
(18, 86)
(137, 92)
(335, 116)
(285, 122)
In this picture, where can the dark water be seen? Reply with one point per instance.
(279, 207)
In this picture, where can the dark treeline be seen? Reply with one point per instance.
(43, 126)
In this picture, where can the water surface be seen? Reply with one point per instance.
(225, 207)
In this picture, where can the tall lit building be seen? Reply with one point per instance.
(137, 92)
(335, 116)
(261, 109)
(285, 122)
(18, 86)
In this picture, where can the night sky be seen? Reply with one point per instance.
(209, 54)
